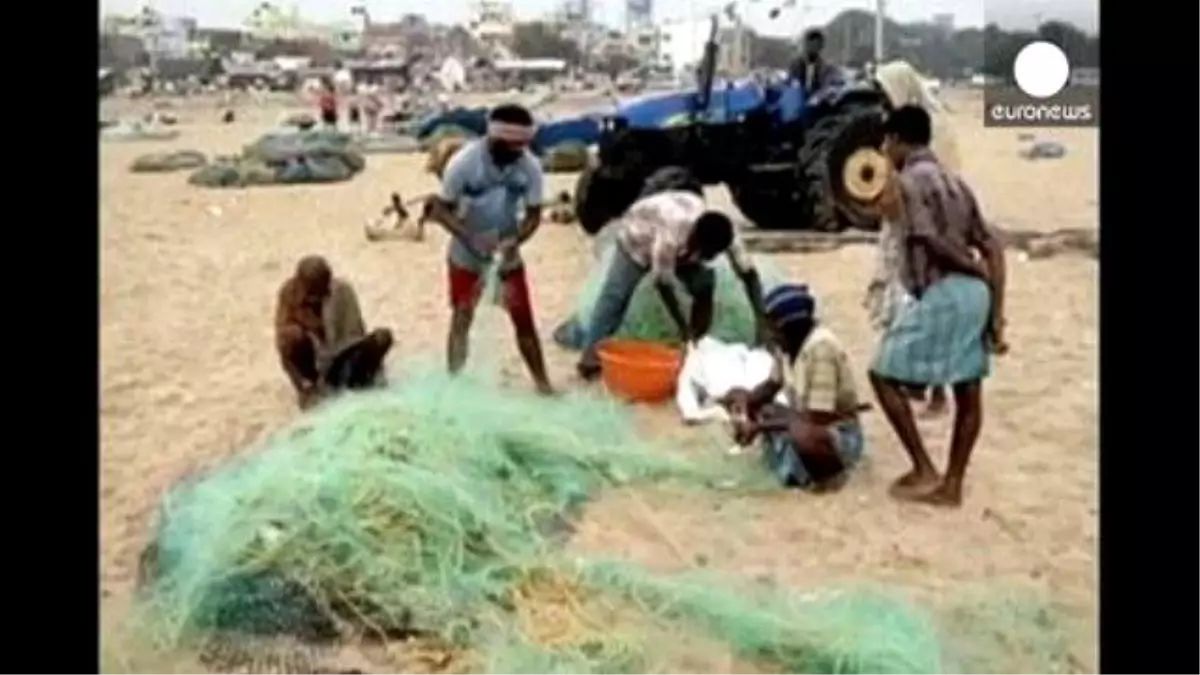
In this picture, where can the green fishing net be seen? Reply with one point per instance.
(439, 509)
(647, 317)
(286, 157)
(406, 507)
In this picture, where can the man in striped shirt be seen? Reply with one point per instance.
(669, 235)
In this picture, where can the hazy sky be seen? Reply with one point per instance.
(1010, 13)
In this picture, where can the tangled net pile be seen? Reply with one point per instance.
(287, 157)
(647, 317)
(438, 509)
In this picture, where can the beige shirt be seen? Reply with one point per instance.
(655, 230)
(822, 377)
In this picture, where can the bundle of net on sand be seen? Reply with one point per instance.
(438, 509)
(163, 162)
(136, 130)
(287, 157)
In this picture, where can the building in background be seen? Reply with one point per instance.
(269, 22)
(639, 15)
(644, 36)
(161, 36)
(172, 38)
(492, 23)
(579, 24)
(944, 22)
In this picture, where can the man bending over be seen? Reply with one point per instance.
(669, 235)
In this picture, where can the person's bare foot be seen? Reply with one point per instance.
(545, 389)
(914, 483)
(943, 495)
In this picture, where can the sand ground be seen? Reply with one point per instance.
(188, 376)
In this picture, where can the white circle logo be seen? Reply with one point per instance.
(1041, 69)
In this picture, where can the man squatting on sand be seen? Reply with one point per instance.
(319, 333)
(814, 441)
(484, 188)
(943, 337)
(669, 235)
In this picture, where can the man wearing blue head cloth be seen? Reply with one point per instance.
(814, 441)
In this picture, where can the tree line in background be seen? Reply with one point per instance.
(849, 40)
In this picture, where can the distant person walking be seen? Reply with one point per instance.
(327, 105)
(372, 107)
(957, 315)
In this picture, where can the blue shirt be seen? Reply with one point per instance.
(490, 200)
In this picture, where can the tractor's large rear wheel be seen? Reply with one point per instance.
(827, 146)
(772, 201)
(603, 194)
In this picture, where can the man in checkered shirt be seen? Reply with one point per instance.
(813, 442)
(670, 235)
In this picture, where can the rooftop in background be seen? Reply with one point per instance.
(531, 64)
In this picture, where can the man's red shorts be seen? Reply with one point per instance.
(466, 287)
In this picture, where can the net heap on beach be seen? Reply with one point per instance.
(287, 157)
(439, 509)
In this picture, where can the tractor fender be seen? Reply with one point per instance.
(857, 92)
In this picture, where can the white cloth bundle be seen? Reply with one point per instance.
(711, 369)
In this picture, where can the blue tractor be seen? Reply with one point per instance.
(583, 130)
(779, 149)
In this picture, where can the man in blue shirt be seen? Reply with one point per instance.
(491, 203)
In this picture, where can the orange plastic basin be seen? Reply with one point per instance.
(639, 371)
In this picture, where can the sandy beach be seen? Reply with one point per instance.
(189, 376)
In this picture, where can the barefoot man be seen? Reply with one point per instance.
(491, 203)
(813, 442)
(957, 315)
(670, 235)
(887, 296)
(319, 333)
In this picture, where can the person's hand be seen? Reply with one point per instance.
(889, 205)
(308, 395)
(996, 339)
(507, 248)
(983, 272)
(765, 334)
